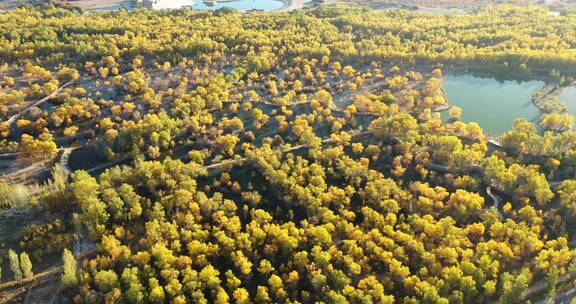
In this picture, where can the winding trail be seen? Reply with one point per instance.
(20, 173)
(65, 157)
(560, 298)
(14, 117)
(496, 202)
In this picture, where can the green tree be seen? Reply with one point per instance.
(514, 286)
(15, 265)
(396, 127)
(106, 280)
(26, 265)
(69, 278)
(552, 279)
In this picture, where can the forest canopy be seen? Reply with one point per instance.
(496, 36)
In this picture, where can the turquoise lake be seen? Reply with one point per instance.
(492, 103)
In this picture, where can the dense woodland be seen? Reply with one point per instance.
(285, 158)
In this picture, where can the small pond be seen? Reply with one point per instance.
(492, 103)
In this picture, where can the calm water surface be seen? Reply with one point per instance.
(492, 103)
(568, 96)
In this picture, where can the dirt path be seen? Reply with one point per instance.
(14, 117)
(290, 5)
(496, 202)
(34, 290)
(65, 157)
(21, 172)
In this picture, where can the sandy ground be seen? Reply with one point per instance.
(98, 4)
(290, 5)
